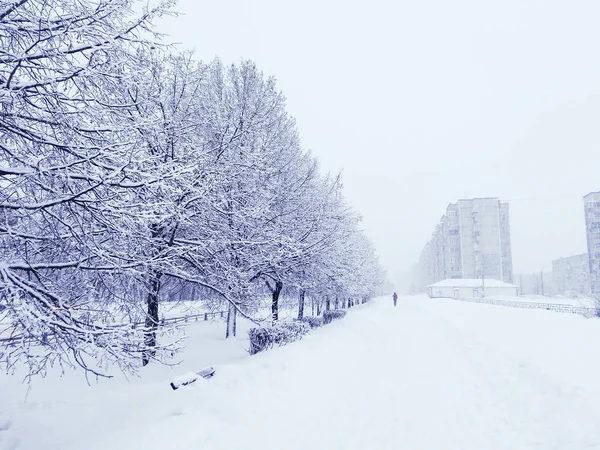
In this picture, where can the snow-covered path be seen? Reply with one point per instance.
(383, 379)
(429, 374)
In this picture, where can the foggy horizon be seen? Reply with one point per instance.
(419, 105)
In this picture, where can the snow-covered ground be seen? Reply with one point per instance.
(428, 374)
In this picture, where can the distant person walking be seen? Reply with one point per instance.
(395, 298)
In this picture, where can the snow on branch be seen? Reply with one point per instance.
(126, 170)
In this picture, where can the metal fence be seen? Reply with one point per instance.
(556, 307)
(11, 341)
(192, 318)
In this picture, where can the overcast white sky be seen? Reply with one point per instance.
(421, 103)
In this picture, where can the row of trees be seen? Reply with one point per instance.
(127, 171)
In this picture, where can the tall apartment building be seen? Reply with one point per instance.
(591, 204)
(472, 240)
(572, 275)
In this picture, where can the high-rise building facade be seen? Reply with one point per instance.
(472, 240)
(507, 265)
(591, 204)
(572, 275)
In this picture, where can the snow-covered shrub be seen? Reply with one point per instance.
(314, 322)
(330, 316)
(282, 333)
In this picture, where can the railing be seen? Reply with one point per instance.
(10, 341)
(192, 318)
(557, 307)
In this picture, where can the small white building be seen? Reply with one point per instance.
(471, 288)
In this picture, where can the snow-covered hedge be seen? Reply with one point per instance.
(330, 316)
(282, 333)
(314, 322)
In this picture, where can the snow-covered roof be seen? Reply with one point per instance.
(471, 282)
(591, 194)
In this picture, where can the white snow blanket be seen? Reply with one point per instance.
(442, 375)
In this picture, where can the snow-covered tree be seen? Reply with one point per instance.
(250, 140)
(68, 166)
(129, 175)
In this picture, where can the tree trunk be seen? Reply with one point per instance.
(327, 303)
(234, 322)
(229, 330)
(301, 304)
(151, 318)
(337, 303)
(275, 304)
(312, 305)
(344, 303)
(319, 307)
